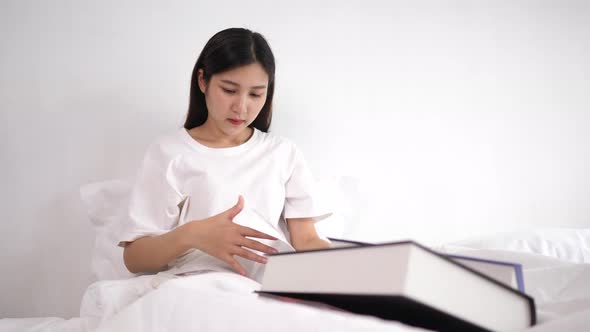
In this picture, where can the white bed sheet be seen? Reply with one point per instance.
(43, 324)
(561, 289)
(220, 301)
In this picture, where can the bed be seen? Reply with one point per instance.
(556, 267)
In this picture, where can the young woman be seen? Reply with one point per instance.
(205, 192)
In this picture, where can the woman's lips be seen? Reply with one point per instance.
(236, 122)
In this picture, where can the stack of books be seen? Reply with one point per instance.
(404, 281)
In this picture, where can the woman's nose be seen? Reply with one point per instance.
(240, 105)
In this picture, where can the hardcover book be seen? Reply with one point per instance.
(509, 273)
(402, 281)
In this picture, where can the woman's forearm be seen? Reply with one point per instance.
(153, 253)
(304, 235)
(312, 243)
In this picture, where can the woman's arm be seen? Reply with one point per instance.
(153, 253)
(304, 235)
(217, 236)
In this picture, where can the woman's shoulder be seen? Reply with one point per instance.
(168, 144)
(276, 140)
(281, 147)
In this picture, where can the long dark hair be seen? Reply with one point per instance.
(226, 50)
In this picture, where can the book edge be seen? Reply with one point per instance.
(530, 300)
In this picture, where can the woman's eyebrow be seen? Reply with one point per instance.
(236, 84)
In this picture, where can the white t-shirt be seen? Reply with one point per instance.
(182, 180)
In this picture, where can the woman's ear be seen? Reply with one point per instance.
(201, 80)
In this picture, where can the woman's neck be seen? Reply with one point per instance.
(213, 137)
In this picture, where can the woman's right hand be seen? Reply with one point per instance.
(220, 237)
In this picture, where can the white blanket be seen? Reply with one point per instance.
(561, 289)
(221, 301)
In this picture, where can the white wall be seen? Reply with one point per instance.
(456, 118)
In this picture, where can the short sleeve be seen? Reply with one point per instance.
(303, 197)
(153, 205)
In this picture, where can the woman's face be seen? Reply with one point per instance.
(235, 97)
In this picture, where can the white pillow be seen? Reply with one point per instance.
(106, 203)
(342, 194)
(570, 244)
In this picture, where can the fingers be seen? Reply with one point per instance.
(247, 254)
(247, 231)
(236, 209)
(236, 266)
(248, 243)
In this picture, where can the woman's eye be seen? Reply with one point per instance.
(255, 95)
(228, 91)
